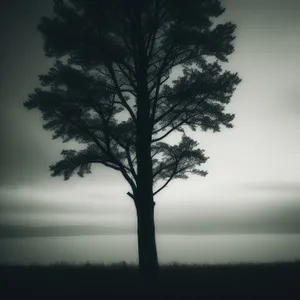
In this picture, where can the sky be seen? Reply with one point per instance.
(253, 181)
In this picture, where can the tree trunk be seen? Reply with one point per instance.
(148, 260)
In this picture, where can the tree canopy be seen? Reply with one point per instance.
(108, 85)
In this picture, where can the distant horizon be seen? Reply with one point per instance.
(17, 231)
(195, 249)
(253, 181)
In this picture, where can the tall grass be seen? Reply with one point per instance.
(228, 281)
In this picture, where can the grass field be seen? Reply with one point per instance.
(121, 281)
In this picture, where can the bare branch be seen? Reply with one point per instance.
(155, 153)
(131, 196)
(130, 162)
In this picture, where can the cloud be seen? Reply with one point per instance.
(289, 188)
(75, 203)
(27, 150)
(56, 208)
(9, 231)
(270, 5)
(279, 216)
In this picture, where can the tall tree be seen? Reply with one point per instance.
(113, 60)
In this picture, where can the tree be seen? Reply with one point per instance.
(113, 58)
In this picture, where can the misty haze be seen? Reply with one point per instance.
(247, 208)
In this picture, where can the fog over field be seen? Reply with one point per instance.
(253, 181)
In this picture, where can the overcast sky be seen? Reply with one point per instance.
(253, 183)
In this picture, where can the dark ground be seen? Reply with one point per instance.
(243, 281)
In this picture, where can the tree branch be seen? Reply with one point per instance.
(171, 130)
(128, 156)
(167, 182)
(131, 196)
(164, 167)
(120, 95)
(180, 123)
(128, 77)
(158, 85)
(108, 153)
(155, 154)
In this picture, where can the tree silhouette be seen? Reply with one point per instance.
(113, 59)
